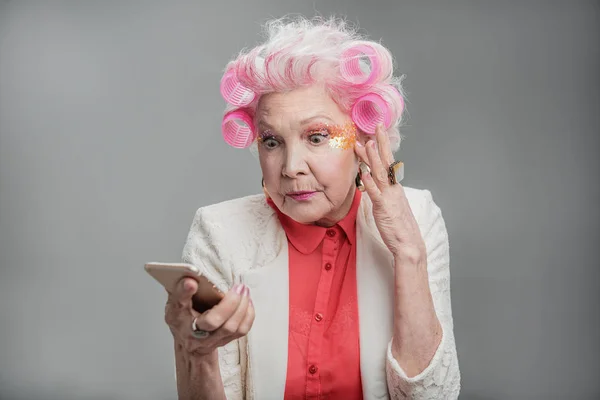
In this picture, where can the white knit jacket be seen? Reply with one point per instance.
(242, 240)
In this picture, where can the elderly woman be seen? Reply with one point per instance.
(336, 276)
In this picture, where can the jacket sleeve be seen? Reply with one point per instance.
(441, 378)
(200, 250)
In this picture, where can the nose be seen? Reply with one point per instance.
(295, 162)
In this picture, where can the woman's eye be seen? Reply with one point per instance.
(270, 143)
(318, 138)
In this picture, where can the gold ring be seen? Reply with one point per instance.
(396, 172)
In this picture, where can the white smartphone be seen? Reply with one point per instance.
(169, 275)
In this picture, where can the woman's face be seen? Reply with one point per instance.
(308, 179)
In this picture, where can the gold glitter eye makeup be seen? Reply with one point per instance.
(342, 136)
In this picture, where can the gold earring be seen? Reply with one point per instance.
(359, 183)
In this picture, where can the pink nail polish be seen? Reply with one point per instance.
(239, 288)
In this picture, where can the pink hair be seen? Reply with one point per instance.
(300, 52)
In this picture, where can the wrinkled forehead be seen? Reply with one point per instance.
(297, 107)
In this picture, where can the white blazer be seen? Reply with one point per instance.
(242, 240)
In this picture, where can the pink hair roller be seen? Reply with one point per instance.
(370, 110)
(350, 65)
(238, 129)
(234, 92)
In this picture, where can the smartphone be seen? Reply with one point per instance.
(169, 274)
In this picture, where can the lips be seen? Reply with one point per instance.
(304, 195)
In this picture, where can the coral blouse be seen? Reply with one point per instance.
(323, 341)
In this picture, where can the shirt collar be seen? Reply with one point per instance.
(306, 237)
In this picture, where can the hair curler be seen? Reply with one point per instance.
(370, 110)
(234, 92)
(238, 129)
(350, 67)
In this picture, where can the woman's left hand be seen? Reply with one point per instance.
(392, 213)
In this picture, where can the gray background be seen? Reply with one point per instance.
(109, 141)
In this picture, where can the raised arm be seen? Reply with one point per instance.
(413, 370)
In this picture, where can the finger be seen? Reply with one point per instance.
(361, 152)
(248, 320)
(370, 186)
(179, 303)
(383, 142)
(184, 291)
(378, 171)
(231, 326)
(214, 318)
(244, 326)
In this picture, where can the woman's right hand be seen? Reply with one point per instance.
(231, 319)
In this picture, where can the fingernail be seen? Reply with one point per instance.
(371, 143)
(246, 291)
(359, 144)
(239, 289)
(363, 168)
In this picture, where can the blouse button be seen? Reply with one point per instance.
(313, 369)
(318, 317)
(327, 266)
(330, 232)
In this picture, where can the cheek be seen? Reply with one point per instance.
(334, 169)
(270, 165)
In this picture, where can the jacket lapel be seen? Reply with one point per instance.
(268, 339)
(375, 284)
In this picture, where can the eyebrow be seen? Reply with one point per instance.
(263, 123)
(303, 122)
(320, 116)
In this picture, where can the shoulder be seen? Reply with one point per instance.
(425, 210)
(237, 212)
(252, 201)
(226, 236)
(416, 197)
(233, 223)
(421, 202)
(427, 213)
